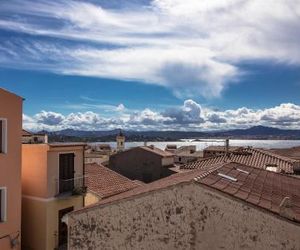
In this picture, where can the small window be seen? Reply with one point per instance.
(2, 204)
(3, 135)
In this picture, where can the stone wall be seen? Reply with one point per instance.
(184, 216)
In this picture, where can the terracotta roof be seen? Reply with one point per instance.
(259, 187)
(105, 182)
(156, 185)
(264, 189)
(157, 151)
(26, 133)
(222, 148)
(293, 153)
(258, 158)
(66, 144)
(93, 155)
(189, 154)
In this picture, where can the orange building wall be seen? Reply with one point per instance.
(34, 170)
(10, 165)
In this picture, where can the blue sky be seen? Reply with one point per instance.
(157, 64)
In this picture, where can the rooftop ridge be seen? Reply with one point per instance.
(281, 157)
(254, 157)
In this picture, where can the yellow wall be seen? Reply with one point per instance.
(33, 224)
(40, 221)
(40, 210)
(90, 199)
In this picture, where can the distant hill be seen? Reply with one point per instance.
(256, 132)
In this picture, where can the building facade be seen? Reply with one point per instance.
(53, 184)
(29, 138)
(10, 170)
(145, 163)
(120, 142)
(200, 209)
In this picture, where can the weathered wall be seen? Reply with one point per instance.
(185, 216)
(166, 161)
(10, 166)
(136, 164)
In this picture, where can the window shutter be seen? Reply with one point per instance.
(1, 136)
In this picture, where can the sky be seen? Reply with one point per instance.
(152, 65)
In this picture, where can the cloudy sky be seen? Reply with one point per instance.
(160, 64)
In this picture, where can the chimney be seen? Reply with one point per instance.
(145, 143)
(227, 146)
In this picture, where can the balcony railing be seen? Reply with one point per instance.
(74, 186)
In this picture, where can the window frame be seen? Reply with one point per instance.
(3, 203)
(3, 148)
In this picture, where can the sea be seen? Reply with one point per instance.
(203, 143)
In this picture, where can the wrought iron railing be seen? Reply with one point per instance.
(73, 186)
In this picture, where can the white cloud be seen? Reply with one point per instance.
(49, 118)
(189, 116)
(120, 107)
(192, 47)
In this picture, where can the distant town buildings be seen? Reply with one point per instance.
(53, 184)
(98, 153)
(184, 154)
(146, 163)
(213, 151)
(10, 170)
(29, 138)
(223, 206)
(255, 157)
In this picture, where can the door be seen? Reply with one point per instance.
(63, 228)
(66, 172)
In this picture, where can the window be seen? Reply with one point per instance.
(3, 135)
(2, 204)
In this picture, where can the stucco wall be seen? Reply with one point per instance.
(10, 165)
(166, 161)
(136, 163)
(40, 221)
(34, 169)
(185, 216)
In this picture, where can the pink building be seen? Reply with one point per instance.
(10, 169)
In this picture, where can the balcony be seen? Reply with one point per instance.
(68, 187)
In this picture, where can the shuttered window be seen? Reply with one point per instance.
(2, 204)
(3, 135)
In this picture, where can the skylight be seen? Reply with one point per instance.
(228, 177)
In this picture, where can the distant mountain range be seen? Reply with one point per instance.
(256, 132)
